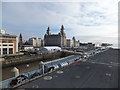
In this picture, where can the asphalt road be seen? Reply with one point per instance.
(99, 71)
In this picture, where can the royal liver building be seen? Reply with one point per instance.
(55, 39)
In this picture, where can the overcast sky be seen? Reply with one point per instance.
(95, 21)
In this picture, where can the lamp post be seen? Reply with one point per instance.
(27, 69)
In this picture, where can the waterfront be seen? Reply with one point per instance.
(22, 68)
(98, 71)
(6, 71)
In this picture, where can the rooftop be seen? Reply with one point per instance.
(8, 35)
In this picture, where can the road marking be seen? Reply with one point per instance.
(92, 62)
(59, 72)
(108, 74)
(77, 76)
(109, 66)
(47, 78)
(35, 86)
(111, 62)
(55, 76)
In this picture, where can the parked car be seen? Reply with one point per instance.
(85, 56)
(64, 64)
(71, 61)
(34, 75)
(18, 80)
(48, 68)
(55, 66)
(76, 59)
(59, 65)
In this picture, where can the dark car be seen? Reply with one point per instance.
(18, 79)
(59, 65)
(34, 75)
(47, 68)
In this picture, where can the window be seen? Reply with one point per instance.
(10, 50)
(3, 41)
(4, 51)
(10, 41)
(4, 44)
(0, 51)
(10, 44)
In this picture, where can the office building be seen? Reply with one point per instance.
(8, 43)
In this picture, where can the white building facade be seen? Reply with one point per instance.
(35, 42)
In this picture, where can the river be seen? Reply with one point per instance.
(6, 72)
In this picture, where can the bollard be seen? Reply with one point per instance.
(14, 72)
(27, 69)
(41, 65)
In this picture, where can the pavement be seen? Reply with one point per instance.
(98, 71)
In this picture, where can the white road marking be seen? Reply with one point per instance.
(109, 66)
(55, 76)
(35, 86)
(59, 72)
(77, 76)
(47, 78)
(108, 74)
(92, 62)
(111, 62)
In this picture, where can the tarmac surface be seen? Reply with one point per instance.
(99, 71)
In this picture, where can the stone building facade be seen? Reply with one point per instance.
(35, 42)
(55, 39)
(69, 43)
(75, 43)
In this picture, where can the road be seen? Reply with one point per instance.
(99, 71)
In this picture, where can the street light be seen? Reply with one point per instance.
(27, 69)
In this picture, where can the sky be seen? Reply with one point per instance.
(89, 20)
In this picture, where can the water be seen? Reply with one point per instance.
(6, 72)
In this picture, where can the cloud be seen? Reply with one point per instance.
(0, 15)
(88, 14)
(95, 19)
